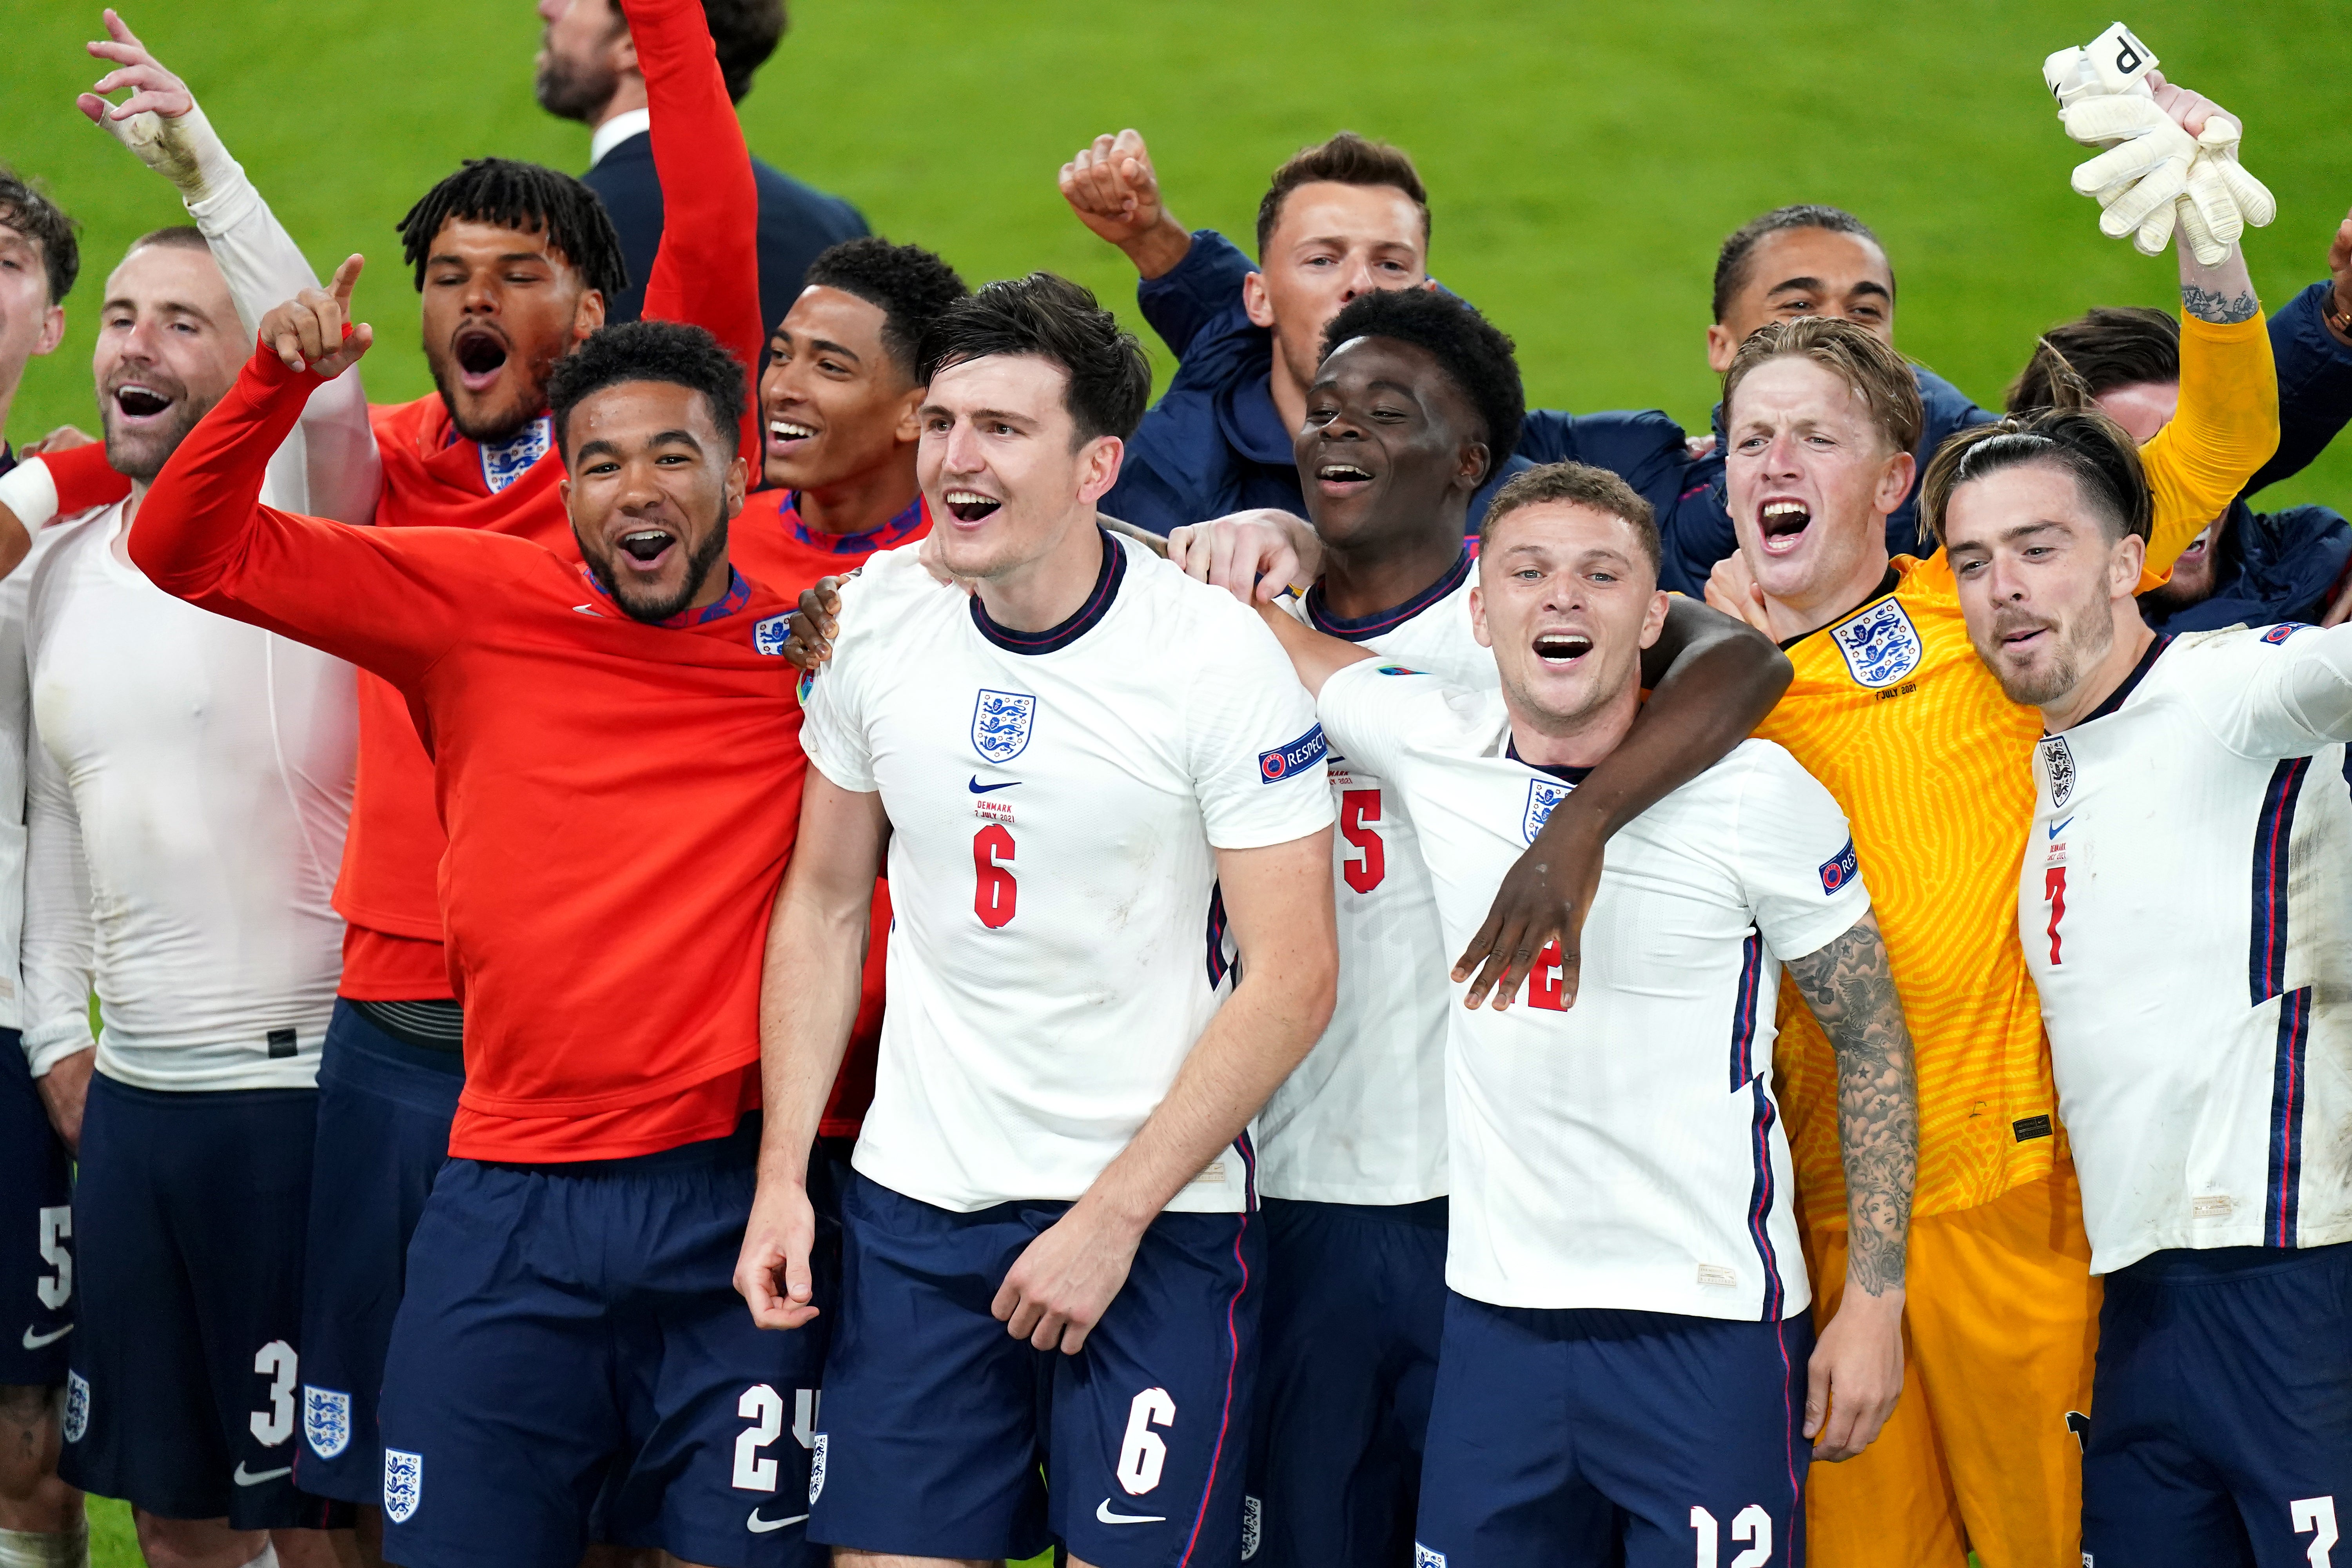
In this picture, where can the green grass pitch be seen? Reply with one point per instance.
(1584, 159)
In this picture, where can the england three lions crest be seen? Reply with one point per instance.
(2060, 762)
(1001, 722)
(1542, 795)
(404, 1484)
(326, 1420)
(1881, 645)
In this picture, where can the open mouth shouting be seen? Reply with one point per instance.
(969, 506)
(1338, 479)
(138, 403)
(645, 548)
(480, 354)
(1781, 521)
(1561, 650)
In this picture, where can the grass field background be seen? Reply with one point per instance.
(1584, 160)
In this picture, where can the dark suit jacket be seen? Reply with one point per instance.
(796, 222)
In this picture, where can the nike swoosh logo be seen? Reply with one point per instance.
(34, 1341)
(2058, 827)
(979, 788)
(244, 1479)
(759, 1526)
(1103, 1514)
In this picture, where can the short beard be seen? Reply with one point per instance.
(569, 92)
(712, 550)
(143, 457)
(528, 408)
(2079, 647)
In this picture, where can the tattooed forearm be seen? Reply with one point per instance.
(2220, 309)
(1851, 991)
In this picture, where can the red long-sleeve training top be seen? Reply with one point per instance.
(620, 799)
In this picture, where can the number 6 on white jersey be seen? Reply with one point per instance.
(1142, 1456)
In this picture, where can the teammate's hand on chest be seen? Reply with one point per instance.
(1062, 1282)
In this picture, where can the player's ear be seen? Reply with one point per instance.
(2125, 563)
(1721, 347)
(1478, 616)
(53, 330)
(1474, 464)
(588, 314)
(1895, 482)
(739, 482)
(910, 428)
(1654, 622)
(1255, 303)
(1099, 470)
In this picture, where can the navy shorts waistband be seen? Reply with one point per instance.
(740, 1147)
(1430, 1213)
(179, 1098)
(2213, 1265)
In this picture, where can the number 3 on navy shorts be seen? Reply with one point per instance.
(1751, 1524)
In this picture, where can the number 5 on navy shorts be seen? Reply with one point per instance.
(937, 1421)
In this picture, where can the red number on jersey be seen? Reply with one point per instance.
(1543, 980)
(1355, 805)
(2053, 893)
(993, 898)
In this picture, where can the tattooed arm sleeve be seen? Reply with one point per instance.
(1852, 992)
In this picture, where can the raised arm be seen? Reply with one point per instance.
(808, 1003)
(1278, 902)
(707, 271)
(1857, 1367)
(2311, 343)
(389, 600)
(1712, 680)
(328, 466)
(1114, 189)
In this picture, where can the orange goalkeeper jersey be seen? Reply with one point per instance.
(1892, 710)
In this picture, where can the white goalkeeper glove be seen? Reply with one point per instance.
(2151, 176)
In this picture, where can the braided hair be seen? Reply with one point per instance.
(530, 197)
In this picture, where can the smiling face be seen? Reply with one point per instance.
(501, 305)
(2043, 578)
(1000, 464)
(169, 346)
(1332, 243)
(1811, 480)
(1568, 600)
(652, 482)
(1798, 272)
(1391, 447)
(835, 404)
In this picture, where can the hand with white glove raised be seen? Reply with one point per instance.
(159, 121)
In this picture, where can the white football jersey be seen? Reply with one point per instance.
(1626, 1152)
(1056, 801)
(15, 726)
(1363, 1119)
(2183, 906)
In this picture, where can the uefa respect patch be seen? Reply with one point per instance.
(1283, 761)
(1840, 868)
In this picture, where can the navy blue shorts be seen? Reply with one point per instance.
(385, 1109)
(1355, 1304)
(188, 1231)
(2222, 1411)
(1649, 1439)
(37, 1263)
(938, 1421)
(572, 1353)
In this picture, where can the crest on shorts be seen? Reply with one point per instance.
(2060, 763)
(768, 636)
(1001, 722)
(326, 1421)
(76, 1406)
(1881, 645)
(1249, 1527)
(1422, 1557)
(817, 1468)
(1542, 795)
(404, 1484)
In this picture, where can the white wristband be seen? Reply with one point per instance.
(28, 491)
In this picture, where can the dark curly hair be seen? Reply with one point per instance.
(1058, 320)
(530, 197)
(910, 286)
(26, 208)
(1477, 354)
(648, 351)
